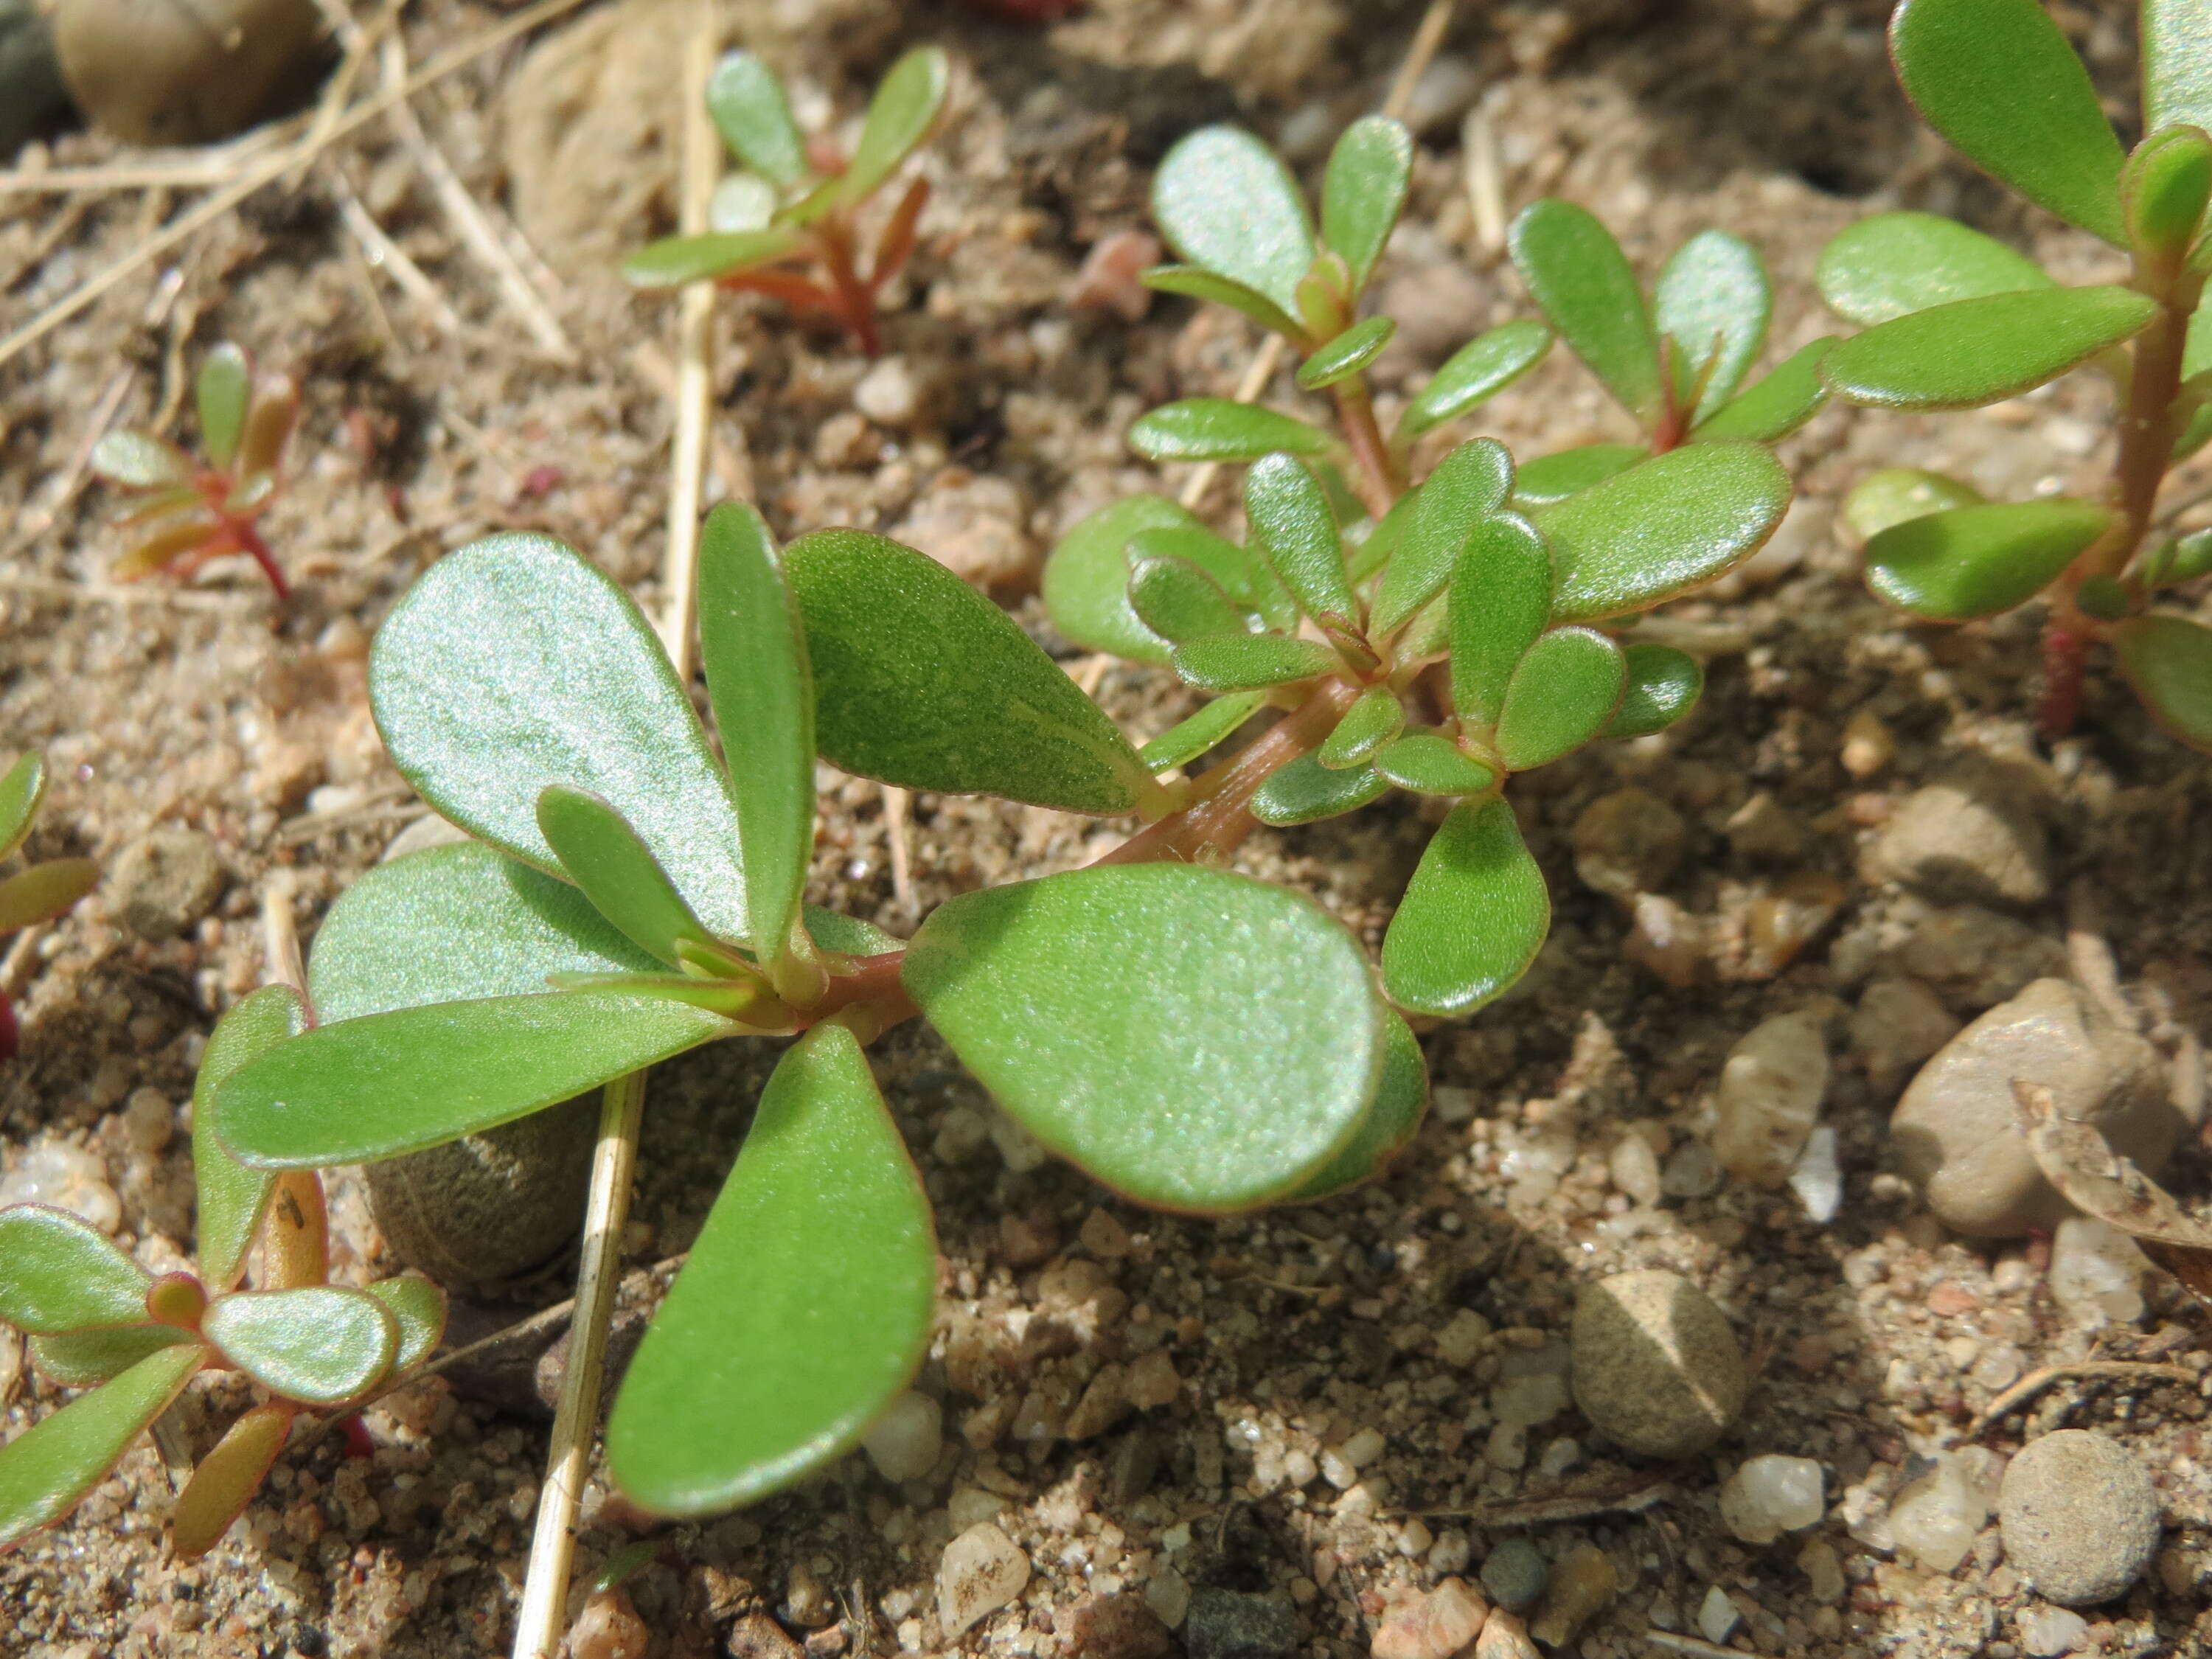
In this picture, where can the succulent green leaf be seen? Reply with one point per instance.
(2168, 661)
(1185, 741)
(231, 1196)
(1196, 1040)
(1467, 487)
(1997, 79)
(1897, 493)
(1974, 352)
(1582, 282)
(743, 201)
(906, 105)
(1374, 719)
(1663, 685)
(2163, 189)
(1712, 301)
(1201, 283)
(1775, 404)
(1223, 201)
(921, 682)
(1086, 579)
(45, 890)
(1895, 263)
(1562, 694)
(1304, 791)
(319, 1344)
(1376, 547)
(83, 1359)
(58, 1273)
(2103, 596)
(514, 664)
(2192, 557)
(1428, 763)
(1244, 577)
(1401, 1098)
(1661, 528)
(805, 1305)
(611, 863)
(22, 789)
(2195, 432)
(1977, 561)
(1500, 601)
(752, 111)
(1550, 479)
(47, 1468)
(1248, 662)
(1294, 530)
(1221, 429)
(418, 1308)
(753, 647)
(1341, 358)
(1364, 192)
(1178, 601)
(675, 260)
(1474, 916)
(848, 936)
(139, 460)
(2177, 65)
(225, 1480)
(222, 389)
(1477, 372)
(387, 1084)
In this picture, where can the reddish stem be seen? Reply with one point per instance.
(1378, 482)
(2065, 656)
(249, 541)
(854, 303)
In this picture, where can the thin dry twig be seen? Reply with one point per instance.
(22, 957)
(1257, 374)
(386, 255)
(1668, 1642)
(72, 476)
(695, 346)
(2035, 1383)
(896, 837)
(1630, 1496)
(211, 165)
(1486, 180)
(280, 961)
(182, 599)
(1427, 39)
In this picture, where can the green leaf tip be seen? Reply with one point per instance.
(1223, 201)
(1977, 561)
(1974, 352)
(1582, 282)
(1474, 916)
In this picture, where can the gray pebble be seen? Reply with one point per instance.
(164, 884)
(2079, 1516)
(1515, 1574)
(1964, 840)
(1230, 1625)
(1657, 1368)
(489, 1206)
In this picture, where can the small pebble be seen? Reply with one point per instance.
(608, 1628)
(1898, 1024)
(905, 1439)
(1963, 841)
(53, 1172)
(1434, 1625)
(1627, 842)
(975, 526)
(980, 1572)
(1824, 1570)
(1690, 1171)
(1231, 1625)
(1770, 1495)
(2080, 1516)
(1817, 1178)
(1717, 1616)
(1657, 1368)
(1504, 1637)
(1935, 1518)
(2046, 1632)
(1770, 1090)
(1581, 1586)
(162, 886)
(2096, 1273)
(1515, 1574)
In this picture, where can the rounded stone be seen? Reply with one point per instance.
(179, 71)
(1515, 1574)
(2079, 1516)
(1657, 1369)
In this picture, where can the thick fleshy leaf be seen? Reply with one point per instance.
(752, 111)
(1374, 719)
(1473, 918)
(45, 890)
(1341, 358)
(231, 1196)
(743, 201)
(1663, 685)
(2163, 189)
(1196, 1040)
(1501, 600)
(221, 389)
(1201, 283)
(675, 260)
(1294, 530)
(1178, 601)
(1086, 579)
(1896, 264)
(59, 1272)
(47, 1468)
(376, 1087)
(1221, 429)
(831, 1275)
(1248, 662)
(22, 789)
(900, 115)
(1981, 351)
(1428, 763)
(1551, 478)
(319, 1345)
(753, 647)
(83, 1359)
(608, 860)
(1775, 404)
(1478, 370)
(848, 936)
(1364, 192)
(1374, 547)
(1712, 301)
(512, 663)
(1467, 487)
(1562, 694)
(1304, 791)
(1997, 78)
(921, 682)
(1897, 493)
(1223, 201)
(1977, 561)
(2177, 65)
(139, 460)
(226, 1478)
(2168, 661)
(1401, 1099)
(1661, 528)
(1582, 282)
(418, 1308)
(1185, 741)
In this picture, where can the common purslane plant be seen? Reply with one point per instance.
(188, 512)
(1958, 320)
(1436, 638)
(100, 1322)
(787, 225)
(41, 891)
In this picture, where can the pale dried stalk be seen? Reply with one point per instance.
(384, 254)
(1427, 39)
(280, 961)
(1486, 185)
(694, 345)
(901, 853)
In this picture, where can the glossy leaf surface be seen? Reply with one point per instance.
(2163, 189)
(1187, 740)
(605, 858)
(1374, 718)
(1196, 1040)
(1304, 791)
(1501, 599)
(1467, 488)
(1563, 692)
(220, 392)
(1364, 192)
(1223, 201)
(59, 1272)
(1347, 354)
(23, 786)
(1661, 528)
(1477, 372)
(1178, 601)
(320, 1344)
(900, 115)
(1775, 404)
(1711, 302)
(1895, 263)
(2176, 63)
(1294, 530)
(1086, 579)
(846, 935)
(44, 890)
(1582, 282)
(226, 1478)
(231, 1196)
(1897, 493)
(1430, 764)
(1248, 662)
(1977, 561)
(752, 111)
(1663, 685)
(1200, 284)
(1474, 916)
(418, 1309)
(47, 1468)
(1220, 430)
(139, 460)
(1401, 1099)
(675, 260)
(81, 1359)
(1974, 352)
(832, 1278)
(2168, 661)
(1551, 478)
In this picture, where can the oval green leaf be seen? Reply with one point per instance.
(1428, 763)
(1304, 791)
(1977, 561)
(319, 1345)
(1202, 284)
(746, 99)
(220, 391)
(675, 260)
(1249, 662)
(1364, 192)
(905, 106)
(1562, 694)
(1663, 685)
(1500, 601)
(616, 872)
(83, 1359)
(45, 890)
(1711, 302)
(418, 1308)
(1472, 919)
(1550, 479)
(139, 460)
(1178, 601)
(231, 1196)
(1896, 264)
(1477, 372)
(1775, 404)
(1582, 282)
(1221, 429)
(1374, 718)
(2163, 189)
(22, 789)
(47, 1468)
(59, 1272)
(1086, 579)
(1295, 531)
(1974, 352)
(1401, 1098)
(2168, 661)
(226, 1478)
(1341, 358)
(1897, 493)
(1185, 741)
(1223, 201)
(2176, 63)
(1466, 489)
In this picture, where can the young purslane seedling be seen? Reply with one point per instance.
(1197, 1040)
(1957, 320)
(100, 1322)
(788, 225)
(1462, 630)
(40, 892)
(188, 512)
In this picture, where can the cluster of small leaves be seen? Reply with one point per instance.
(41, 891)
(100, 1322)
(1956, 320)
(188, 512)
(787, 224)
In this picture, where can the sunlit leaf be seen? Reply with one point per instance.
(675, 260)
(846, 936)
(752, 113)
(1562, 694)
(1467, 487)
(418, 1308)
(1200, 284)
(2177, 65)
(1712, 301)
(139, 460)
(1223, 201)
(1500, 601)
(1977, 561)
(1472, 919)
(1478, 370)
(1551, 478)
(1375, 547)
(835, 1278)
(59, 1272)
(1221, 429)
(1980, 351)
(1401, 1099)
(226, 1478)
(1185, 741)
(900, 115)
(1304, 791)
(1364, 192)
(45, 890)
(743, 201)
(1374, 718)
(1430, 764)
(1086, 579)
(231, 1196)
(319, 1344)
(220, 390)
(1897, 493)
(23, 786)
(2168, 661)
(2163, 189)
(604, 857)
(1663, 685)
(1775, 404)
(81, 1359)
(1582, 282)
(1294, 530)
(1248, 662)
(1896, 264)
(46, 1470)
(1178, 601)
(1341, 358)
(269, 418)
(1196, 1040)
